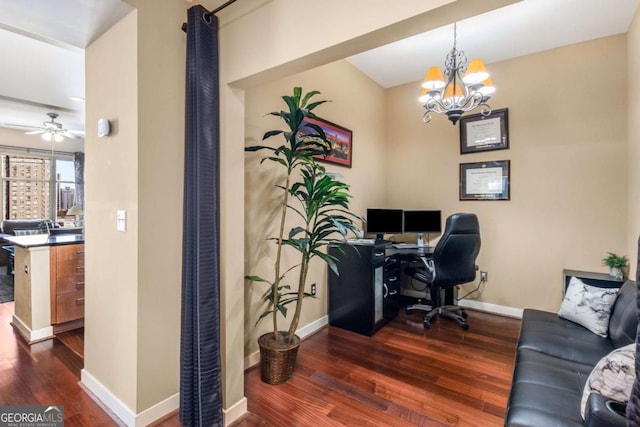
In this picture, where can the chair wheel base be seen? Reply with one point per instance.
(463, 314)
(426, 324)
(465, 327)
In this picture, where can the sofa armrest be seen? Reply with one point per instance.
(604, 412)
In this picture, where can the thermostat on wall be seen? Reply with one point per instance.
(104, 127)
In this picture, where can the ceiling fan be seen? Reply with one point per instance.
(54, 130)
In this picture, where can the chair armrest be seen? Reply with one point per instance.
(604, 412)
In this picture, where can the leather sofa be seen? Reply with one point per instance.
(554, 358)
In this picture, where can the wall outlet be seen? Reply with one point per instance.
(484, 276)
(313, 289)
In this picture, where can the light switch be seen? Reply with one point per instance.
(121, 220)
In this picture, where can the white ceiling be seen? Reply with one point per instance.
(520, 29)
(42, 46)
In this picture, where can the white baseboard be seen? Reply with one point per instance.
(108, 399)
(159, 410)
(235, 411)
(115, 407)
(254, 358)
(29, 335)
(492, 308)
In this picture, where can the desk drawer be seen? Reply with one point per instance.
(64, 285)
(70, 306)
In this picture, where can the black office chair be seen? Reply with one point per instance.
(453, 263)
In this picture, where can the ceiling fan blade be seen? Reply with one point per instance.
(77, 132)
(35, 132)
(69, 135)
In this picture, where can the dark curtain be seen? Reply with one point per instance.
(200, 374)
(78, 164)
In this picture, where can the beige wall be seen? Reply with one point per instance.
(358, 104)
(568, 169)
(111, 179)
(633, 178)
(132, 341)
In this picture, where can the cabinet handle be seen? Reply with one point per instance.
(393, 292)
(378, 253)
(79, 252)
(79, 301)
(392, 279)
(80, 267)
(79, 285)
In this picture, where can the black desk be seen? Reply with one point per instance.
(365, 294)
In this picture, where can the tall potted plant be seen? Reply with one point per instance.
(321, 202)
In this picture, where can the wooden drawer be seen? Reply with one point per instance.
(72, 268)
(70, 252)
(70, 306)
(64, 285)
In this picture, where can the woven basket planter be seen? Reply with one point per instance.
(277, 362)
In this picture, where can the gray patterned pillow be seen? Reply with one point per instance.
(612, 376)
(589, 306)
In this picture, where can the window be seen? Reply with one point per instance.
(35, 187)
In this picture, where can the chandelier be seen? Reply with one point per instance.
(466, 87)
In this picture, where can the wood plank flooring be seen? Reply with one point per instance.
(45, 373)
(402, 376)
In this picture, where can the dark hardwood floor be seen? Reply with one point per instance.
(402, 376)
(45, 373)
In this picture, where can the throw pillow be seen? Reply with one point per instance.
(612, 376)
(589, 306)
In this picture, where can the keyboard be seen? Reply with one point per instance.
(406, 246)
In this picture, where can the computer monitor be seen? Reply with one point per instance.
(421, 221)
(384, 221)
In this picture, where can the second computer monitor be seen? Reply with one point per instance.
(421, 222)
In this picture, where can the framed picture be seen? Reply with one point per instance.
(485, 180)
(484, 133)
(341, 142)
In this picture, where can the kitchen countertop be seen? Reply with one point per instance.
(35, 240)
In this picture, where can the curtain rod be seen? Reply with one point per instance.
(208, 15)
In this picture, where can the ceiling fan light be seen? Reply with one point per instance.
(57, 137)
(47, 136)
(476, 72)
(434, 79)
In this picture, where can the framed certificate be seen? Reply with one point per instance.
(484, 133)
(485, 180)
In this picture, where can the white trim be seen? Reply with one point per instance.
(235, 411)
(116, 408)
(29, 335)
(108, 399)
(312, 327)
(254, 358)
(492, 308)
(159, 410)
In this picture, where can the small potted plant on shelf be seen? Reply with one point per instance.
(615, 263)
(321, 202)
